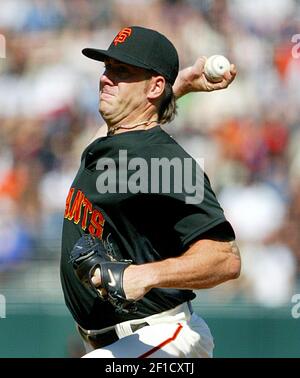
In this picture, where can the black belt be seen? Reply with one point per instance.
(100, 340)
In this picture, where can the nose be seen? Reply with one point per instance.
(105, 80)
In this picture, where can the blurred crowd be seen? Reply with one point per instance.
(248, 134)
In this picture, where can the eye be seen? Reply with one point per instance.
(117, 71)
(122, 71)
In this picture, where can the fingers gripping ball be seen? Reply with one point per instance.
(89, 254)
(215, 67)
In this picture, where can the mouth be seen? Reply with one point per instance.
(105, 95)
(106, 91)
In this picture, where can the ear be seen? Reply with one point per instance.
(156, 87)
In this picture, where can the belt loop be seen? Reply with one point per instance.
(123, 329)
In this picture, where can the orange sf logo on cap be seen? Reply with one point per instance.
(122, 35)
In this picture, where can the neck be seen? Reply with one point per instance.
(142, 125)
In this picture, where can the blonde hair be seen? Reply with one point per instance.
(167, 108)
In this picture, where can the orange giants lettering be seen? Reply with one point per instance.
(87, 209)
(97, 223)
(75, 211)
(68, 202)
(80, 209)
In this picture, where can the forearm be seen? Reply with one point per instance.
(206, 264)
(182, 86)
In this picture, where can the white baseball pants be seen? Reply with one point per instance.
(175, 333)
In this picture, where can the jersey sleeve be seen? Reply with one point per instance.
(189, 207)
(181, 202)
(201, 218)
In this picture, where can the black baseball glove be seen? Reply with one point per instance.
(89, 254)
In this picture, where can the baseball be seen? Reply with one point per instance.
(215, 67)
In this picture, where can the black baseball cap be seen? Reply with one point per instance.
(141, 47)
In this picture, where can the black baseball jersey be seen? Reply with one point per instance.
(127, 193)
